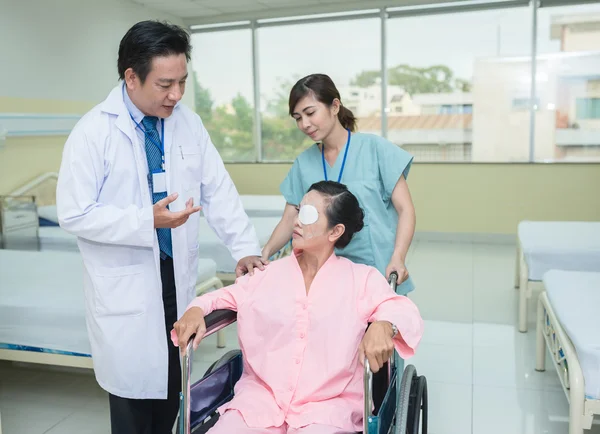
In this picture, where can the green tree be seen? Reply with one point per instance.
(231, 126)
(203, 101)
(462, 85)
(365, 79)
(281, 138)
(432, 79)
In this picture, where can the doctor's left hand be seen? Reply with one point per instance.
(164, 218)
(247, 265)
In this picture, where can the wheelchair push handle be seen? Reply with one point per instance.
(393, 280)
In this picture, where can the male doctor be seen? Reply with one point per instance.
(134, 171)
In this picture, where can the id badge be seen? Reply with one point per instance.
(159, 182)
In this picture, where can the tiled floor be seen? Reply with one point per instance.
(480, 369)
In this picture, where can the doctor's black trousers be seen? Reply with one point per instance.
(153, 416)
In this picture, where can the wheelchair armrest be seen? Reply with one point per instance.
(219, 319)
(368, 385)
(368, 381)
(368, 374)
(214, 321)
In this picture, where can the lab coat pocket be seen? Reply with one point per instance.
(190, 150)
(121, 291)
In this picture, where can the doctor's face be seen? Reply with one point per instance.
(163, 88)
(314, 118)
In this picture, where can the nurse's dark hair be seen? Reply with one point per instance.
(323, 88)
(147, 40)
(342, 208)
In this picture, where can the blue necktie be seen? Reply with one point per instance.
(154, 156)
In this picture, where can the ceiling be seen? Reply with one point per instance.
(219, 11)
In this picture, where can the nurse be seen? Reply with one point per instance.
(373, 169)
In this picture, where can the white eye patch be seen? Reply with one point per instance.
(308, 215)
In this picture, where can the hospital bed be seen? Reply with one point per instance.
(542, 246)
(568, 325)
(394, 401)
(42, 310)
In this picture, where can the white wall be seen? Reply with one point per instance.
(581, 41)
(66, 49)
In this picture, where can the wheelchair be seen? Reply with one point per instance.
(395, 402)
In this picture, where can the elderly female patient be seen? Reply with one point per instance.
(301, 323)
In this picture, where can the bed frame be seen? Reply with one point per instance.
(525, 286)
(551, 335)
(43, 188)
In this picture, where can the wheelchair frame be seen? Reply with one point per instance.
(408, 396)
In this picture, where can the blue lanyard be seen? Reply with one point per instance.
(343, 161)
(161, 145)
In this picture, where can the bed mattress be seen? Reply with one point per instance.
(42, 301)
(570, 246)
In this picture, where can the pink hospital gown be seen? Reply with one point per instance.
(300, 350)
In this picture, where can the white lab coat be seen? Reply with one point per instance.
(104, 199)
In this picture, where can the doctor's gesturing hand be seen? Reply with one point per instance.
(163, 218)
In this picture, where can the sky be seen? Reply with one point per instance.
(223, 60)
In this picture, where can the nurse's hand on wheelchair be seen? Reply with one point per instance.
(377, 345)
(192, 322)
(397, 265)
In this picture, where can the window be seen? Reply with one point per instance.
(588, 108)
(523, 104)
(222, 64)
(473, 62)
(568, 120)
(290, 52)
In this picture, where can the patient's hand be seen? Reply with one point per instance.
(377, 345)
(191, 322)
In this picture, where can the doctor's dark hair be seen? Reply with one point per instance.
(323, 88)
(342, 208)
(147, 40)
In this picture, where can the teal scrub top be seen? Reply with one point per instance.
(373, 167)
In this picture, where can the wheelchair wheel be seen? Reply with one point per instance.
(222, 361)
(411, 413)
(417, 407)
